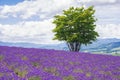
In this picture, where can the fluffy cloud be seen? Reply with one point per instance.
(108, 14)
(41, 32)
(97, 1)
(41, 8)
(31, 20)
(109, 30)
(30, 30)
(35, 32)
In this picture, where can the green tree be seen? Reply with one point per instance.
(76, 26)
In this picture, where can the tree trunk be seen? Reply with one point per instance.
(74, 46)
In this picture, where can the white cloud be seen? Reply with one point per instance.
(41, 31)
(105, 1)
(108, 14)
(44, 8)
(32, 31)
(99, 1)
(36, 32)
(109, 30)
(28, 9)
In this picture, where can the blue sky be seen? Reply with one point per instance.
(9, 2)
(31, 20)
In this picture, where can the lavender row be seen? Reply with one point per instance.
(42, 64)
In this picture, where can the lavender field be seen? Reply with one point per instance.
(40, 64)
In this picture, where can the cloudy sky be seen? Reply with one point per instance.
(31, 20)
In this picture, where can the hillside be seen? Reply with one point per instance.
(100, 46)
(42, 64)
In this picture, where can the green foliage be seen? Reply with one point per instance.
(1, 74)
(24, 58)
(1, 57)
(34, 78)
(69, 78)
(35, 64)
(51, 70)
(88, 74)
(78, 71)
(76, 26)
(20, 73)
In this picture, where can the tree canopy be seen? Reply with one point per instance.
(76, 26)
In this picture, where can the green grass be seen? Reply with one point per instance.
(34, 78)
